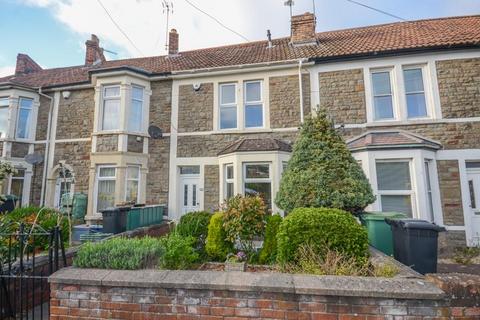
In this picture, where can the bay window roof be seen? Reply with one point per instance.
(257, 144)
(390, 140)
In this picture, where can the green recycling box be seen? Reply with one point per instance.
(379, 232)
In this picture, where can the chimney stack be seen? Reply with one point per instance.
(303, 29)
(25, 65)
(93, 54)
(173, 42)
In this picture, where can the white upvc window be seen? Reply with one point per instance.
(416, 103)
(135, 119)
(228, 106)
(111, 108)
(229, 181)
(257, 180)
(105, 187)
(394, 185)
(253, 109)
(17, 183)
(132, 183)
(383, 103)
(4, 105)
(24, 117)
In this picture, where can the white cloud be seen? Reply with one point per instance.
(7, 71)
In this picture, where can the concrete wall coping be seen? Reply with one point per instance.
(394, 288)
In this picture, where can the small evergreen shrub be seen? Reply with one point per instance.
(120, 254)
(179, 252)
(268, 254)
(217, 247)
(244, 218)
(322, 229)
(195, 224)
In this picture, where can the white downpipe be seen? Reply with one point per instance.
(300, 86)
(47, 148)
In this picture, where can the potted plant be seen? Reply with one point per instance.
(236, 262)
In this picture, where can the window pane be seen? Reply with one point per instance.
(20, 173)
(112, 92)
(262, 189)
(471, 190)
(23, 123)
(229, 172)
(381, 83)
(137, 93)
(194, 195)
(396, 203)
(393, 176)
(228, 117)
(257, 171)
(133, 172)
(132, 190)
(3, 121)
(185, 194)
(4, 102)
(383, 107)
(253, 91)
(413, 80)
(229, 190)
(227, 93)
(472, 165)
(416, 105)
(189, 170)
(17, 189)
(254, 115)
(26, 103)
(106, 194)
(107, 172)
(135, 118)
(111, 114)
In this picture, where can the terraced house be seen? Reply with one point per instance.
(190, 129)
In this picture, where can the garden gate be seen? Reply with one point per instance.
(27, 259)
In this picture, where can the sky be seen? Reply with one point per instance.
(53, 32)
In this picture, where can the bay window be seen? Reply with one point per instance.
(4, 104)
(414, 93)
(132, 183)
(105, 187)
(253, 104)
(394, 186)
(111, 108)
(382, 95)
(23, 120)
(135, 118)
(229, 181)
(257, 181)
(228, 106)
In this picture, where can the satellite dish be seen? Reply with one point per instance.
(33, 158)
(155, 132)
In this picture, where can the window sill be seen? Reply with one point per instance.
(246, 131)
(402, 122)
(103, 133)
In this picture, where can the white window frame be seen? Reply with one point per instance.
(102, 110)
(130, 107)
(411, 192)
(28, 128)
(395, 110)
(428, 166)
(227, 105)
(7, 107)
(98, 178)
(127, 179)
(24, 186)
(228, 180)
(246, 180)
(248, 103)
(425, 88)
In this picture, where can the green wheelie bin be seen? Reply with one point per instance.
(379, 232)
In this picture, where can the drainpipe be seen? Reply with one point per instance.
(47, 148)
(300, 86)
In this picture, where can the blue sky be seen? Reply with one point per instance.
(53, 32)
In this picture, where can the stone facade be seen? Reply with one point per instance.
(448, 241)
(158, 165)
(75, 115)
(211, 145)
(135, 144)
(19, 149)
(342, 94)
(77, 155)
(449, 179)
(42, 120)
(284, 100)
(211, 188)
(37, 177)
(161, 104)
(458, 83)
(107, 143)
(195, 108)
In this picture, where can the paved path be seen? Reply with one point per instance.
(458, 268)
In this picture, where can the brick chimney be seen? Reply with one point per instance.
(172, 42)
(94, 53)
(25, 64)
(303, 29)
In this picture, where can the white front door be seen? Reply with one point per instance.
(190, 200)
(474, 196)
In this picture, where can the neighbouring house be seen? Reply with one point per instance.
(192, 128)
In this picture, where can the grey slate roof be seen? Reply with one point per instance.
(253, 144)
(391, 139)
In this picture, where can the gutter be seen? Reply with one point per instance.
(47, 148)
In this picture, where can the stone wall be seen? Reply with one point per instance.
(458, 84)
(212, 295)
(37, 178)
(195, 108)
(211, 191)
(75, 115)
(157, 177)
(449, 180)
(342, 94)
(161, 104)
(210, 145)
(42, 118)
(77, 155)
(135, 144)
(448, 241)
(107, 143)
(19, 149)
